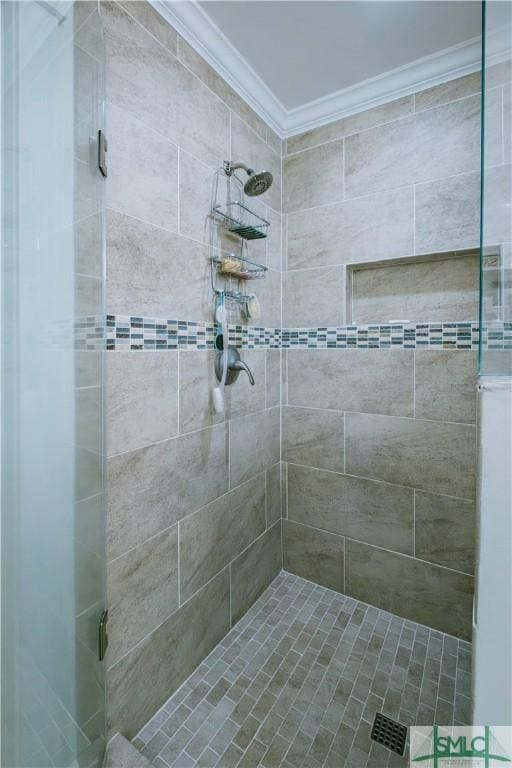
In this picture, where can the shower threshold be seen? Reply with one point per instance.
(298, 682)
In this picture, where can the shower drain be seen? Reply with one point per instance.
(388, 732)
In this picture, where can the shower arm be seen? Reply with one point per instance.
(230, 168)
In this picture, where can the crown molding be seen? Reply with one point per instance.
(199, 31)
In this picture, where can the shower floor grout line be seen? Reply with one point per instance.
(298, 680)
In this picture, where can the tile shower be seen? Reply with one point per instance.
(350, 464)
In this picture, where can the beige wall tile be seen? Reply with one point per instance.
(144, 679)
(248, 148)
(273, 377)
(155, 273)
(313, 177)
(365, 229)
(142, 399)
(352, 124)
(274, 493)
(445, 531)
(143, 171)
(254, 444)
(170, 479)
(274, 240)
(445, 385)
(429, 455)
(268, 292)
(377, 513)
(313, 437)
(195, 191)
(469, 85)
(153, 22)
(214, 535)
(448, 214)
(214, 81)
(198, 378)
(313, 297)
(436, 290)
(497, 195)
(418, 591)
(433, 144)
(146, 80)
(254, 569)
(314, 555)
(142, 591)
(372, 381)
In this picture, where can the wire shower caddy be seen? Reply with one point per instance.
(230, 215)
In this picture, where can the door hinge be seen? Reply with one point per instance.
(102, 635)
(102, 151)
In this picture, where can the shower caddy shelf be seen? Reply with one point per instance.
(236, 218)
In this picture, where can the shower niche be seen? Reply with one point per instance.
(431, 288)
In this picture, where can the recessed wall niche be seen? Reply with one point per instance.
(441, 287)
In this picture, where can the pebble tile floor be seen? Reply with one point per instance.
(298, 680)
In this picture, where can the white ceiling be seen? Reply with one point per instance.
(306, 50)
(300, 64)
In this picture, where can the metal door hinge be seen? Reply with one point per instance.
(102, 635)
(102, 151)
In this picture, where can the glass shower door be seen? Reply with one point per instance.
(492, 632)
(52, 473)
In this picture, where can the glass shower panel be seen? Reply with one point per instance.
(53, 499)
(496, 229)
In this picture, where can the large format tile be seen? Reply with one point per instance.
(369, 228)
(170, 478)
(375, 512)
(273, 372)
(469, 85)
(445, 385)
(195, 197)
(313, 177)
(274, 493)
(429, 455)
(437, 290)
(140, 682)
(419, 591)
(364, 380)
(218, 85)
(497, 195)
(143, 171)
(254, 569)
(427, 145)
(313, 297)
(314, 555)
(142, 591)
(197, 380)
(248, 148)
(448, 214)
(146, 15)
(146, 80)
(445, 531)
(142, 399)
(254, 444)
(361, 121)
(214, 535)
(155, 273)
(313, 437)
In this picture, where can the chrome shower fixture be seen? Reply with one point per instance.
(257, 183)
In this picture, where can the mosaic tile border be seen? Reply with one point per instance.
(132, 333)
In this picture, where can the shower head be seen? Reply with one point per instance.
(256, 184)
